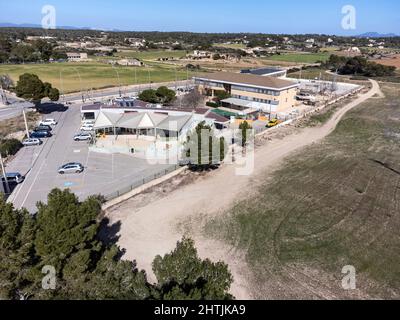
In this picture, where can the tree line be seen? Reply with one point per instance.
(60, 253)
(358, 66)
(35, 51)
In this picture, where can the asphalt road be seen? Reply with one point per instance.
(14, 109)
(104, 173)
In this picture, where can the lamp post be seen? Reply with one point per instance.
(4, 174)
(26, 123)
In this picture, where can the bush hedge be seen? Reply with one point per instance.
(9, 147)
(212, 104)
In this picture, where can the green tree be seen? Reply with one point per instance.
(23, 53)
(162, 95)
(31, 88)
(244, 128)
(165, 95)
(54, 94)
(17, 272)
(65, 226)
(149, 95)
(182, 275)
(65, 234)
(203, 148)
(44, 48)
(221, 95)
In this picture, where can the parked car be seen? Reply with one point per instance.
(48, 122)
(40, 134)
(32, 142)
(273, 123)
(88, 123)
(83, 137)
(43, 128)
(87, 127)
(13, 177)
(72, 167)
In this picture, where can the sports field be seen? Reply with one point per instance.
(72, 77)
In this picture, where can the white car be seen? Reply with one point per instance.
(83, 137)
(87, 122)
(87, 128)
(48, 122)
(71, 168)
(32, 142)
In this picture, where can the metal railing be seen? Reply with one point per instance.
(140, 182)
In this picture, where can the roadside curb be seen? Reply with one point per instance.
(141, 189)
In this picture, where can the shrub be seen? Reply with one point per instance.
(212, 104)
(9, 147)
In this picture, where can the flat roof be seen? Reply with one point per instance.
(217, 117)
(263, 71)
(249, 80)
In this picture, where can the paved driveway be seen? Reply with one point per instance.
(104, 173)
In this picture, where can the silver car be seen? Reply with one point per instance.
(32, 142)
(71, 168)
(83, 137)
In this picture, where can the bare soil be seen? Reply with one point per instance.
(152, 223)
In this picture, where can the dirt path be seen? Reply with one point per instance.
(156, 227)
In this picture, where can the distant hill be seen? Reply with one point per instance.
(377, 35)
(38, 26)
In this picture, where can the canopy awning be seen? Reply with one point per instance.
(107, 120)
(137, 121)
(174, 123)
(252, 104)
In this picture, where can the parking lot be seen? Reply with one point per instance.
(104, 173)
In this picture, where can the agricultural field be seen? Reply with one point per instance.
(151, 55)
(300, 58)
(394, 61)
(230, 46)
(333, 204)
(72, 77)
(313, 73)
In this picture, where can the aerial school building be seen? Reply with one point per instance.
(249, 92)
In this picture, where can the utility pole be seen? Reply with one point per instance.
(148, 70)
(4, 175)
(136, 81)
(26, 123)
(176, 79)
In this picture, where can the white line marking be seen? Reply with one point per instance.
(34, 181)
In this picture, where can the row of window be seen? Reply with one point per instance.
(256, 90)
(209, 83)
(238, 87)
(256, 100)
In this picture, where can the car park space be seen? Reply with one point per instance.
(103, 173)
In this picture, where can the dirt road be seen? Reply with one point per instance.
(156, 227)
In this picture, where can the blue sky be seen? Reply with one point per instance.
(266, 16)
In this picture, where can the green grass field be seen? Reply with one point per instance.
(333, 204)
(300, 57)
(72, 77)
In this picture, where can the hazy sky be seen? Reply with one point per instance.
(266, 16)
